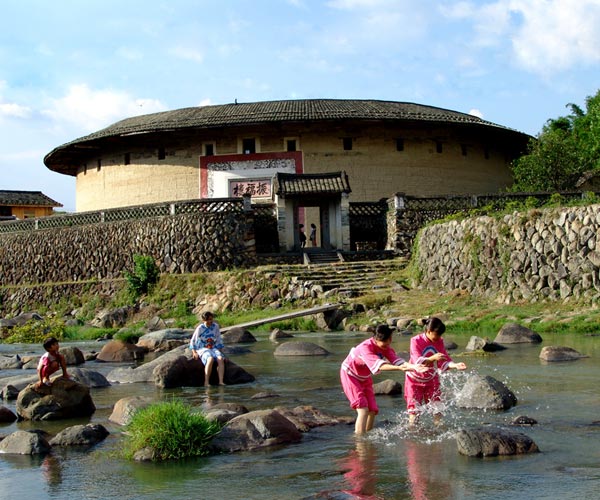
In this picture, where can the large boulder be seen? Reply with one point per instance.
(6, 415)
(388, 387)
(330, 320)
(117, 351)
(73, 355)
(298, 348)
(80, 435)
(256, 429)
(480, 344)
(25, 443)
(309, 417)
(485, 393)
(164, 340)
(237, 335)
(559, 353)
(184, 371)
(177, 368)
(115, 318)
(513, 333)
(19, 320)
(13, 362)
(87, 377)
(64, 399)
(484, 442)
(125, 408)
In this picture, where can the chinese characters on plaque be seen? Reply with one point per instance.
(257, 188)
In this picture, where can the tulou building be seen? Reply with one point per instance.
(310, 158)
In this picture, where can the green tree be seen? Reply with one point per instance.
(566, 147)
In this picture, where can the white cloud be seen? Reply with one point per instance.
(205, 102)
(476, 112)
(90, 109)
(14, 110)
(545, 36)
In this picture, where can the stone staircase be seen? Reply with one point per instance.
(351, 279)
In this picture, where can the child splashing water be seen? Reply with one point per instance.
(427, 350)
(369, 357)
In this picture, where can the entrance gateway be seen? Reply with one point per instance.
(320, 199)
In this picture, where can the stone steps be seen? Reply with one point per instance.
(349, 278)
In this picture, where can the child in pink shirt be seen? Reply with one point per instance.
(369, 357)
(50, 362)
(427, 349)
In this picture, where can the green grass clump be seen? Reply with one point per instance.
(172, 430)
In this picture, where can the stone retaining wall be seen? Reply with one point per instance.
(186, 243)
(552, 253)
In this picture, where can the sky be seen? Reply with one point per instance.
(72, 67)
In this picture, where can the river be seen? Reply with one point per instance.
(393, 462)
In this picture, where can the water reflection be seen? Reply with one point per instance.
(361, 466)
(52, 470)
(425, 470)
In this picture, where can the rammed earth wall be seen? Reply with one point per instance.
(184, 243)
(552, 253)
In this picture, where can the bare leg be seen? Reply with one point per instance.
(437, 419)
(370, 420)
(360, 427)
(208, 371)
(413, 419)
(221, 370)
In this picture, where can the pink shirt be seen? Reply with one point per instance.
(366, 359)
(420, 349)
(46, 360)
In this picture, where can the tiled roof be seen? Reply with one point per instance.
(303, 110)
(303, 184)
(26, 198)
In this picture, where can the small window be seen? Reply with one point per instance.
(127, 159)
(161, 153)
(347, 142)
(291, 145)
(249, 146)
(399, 144)
(84, 168)
(99, 166)
(463, 149)
(438, 147)
(209, 149)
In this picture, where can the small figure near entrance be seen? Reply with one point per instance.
(313, 235)
(302, 236)
(205, 344)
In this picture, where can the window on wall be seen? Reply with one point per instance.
(290, 145)
(399, 144)
(161, 153)
(209, 149)
(463, 149)
(99, 165)
(438, 147)
(347, 143)
(249, 146)
(127, 159)
(84, 168)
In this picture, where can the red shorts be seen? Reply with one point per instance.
(359, 392)
(417, 394)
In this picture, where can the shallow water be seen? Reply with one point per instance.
(393, 462)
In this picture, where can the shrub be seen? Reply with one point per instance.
(172, 430)
(145, 274)
(35, 331)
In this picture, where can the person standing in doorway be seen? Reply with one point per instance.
(301, 236)
(313, 235)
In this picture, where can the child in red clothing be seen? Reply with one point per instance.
(369, 357)
(50, 362)
(427, 349)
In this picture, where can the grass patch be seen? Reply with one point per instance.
(172, 430)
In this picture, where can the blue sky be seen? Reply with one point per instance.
(71, 67)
